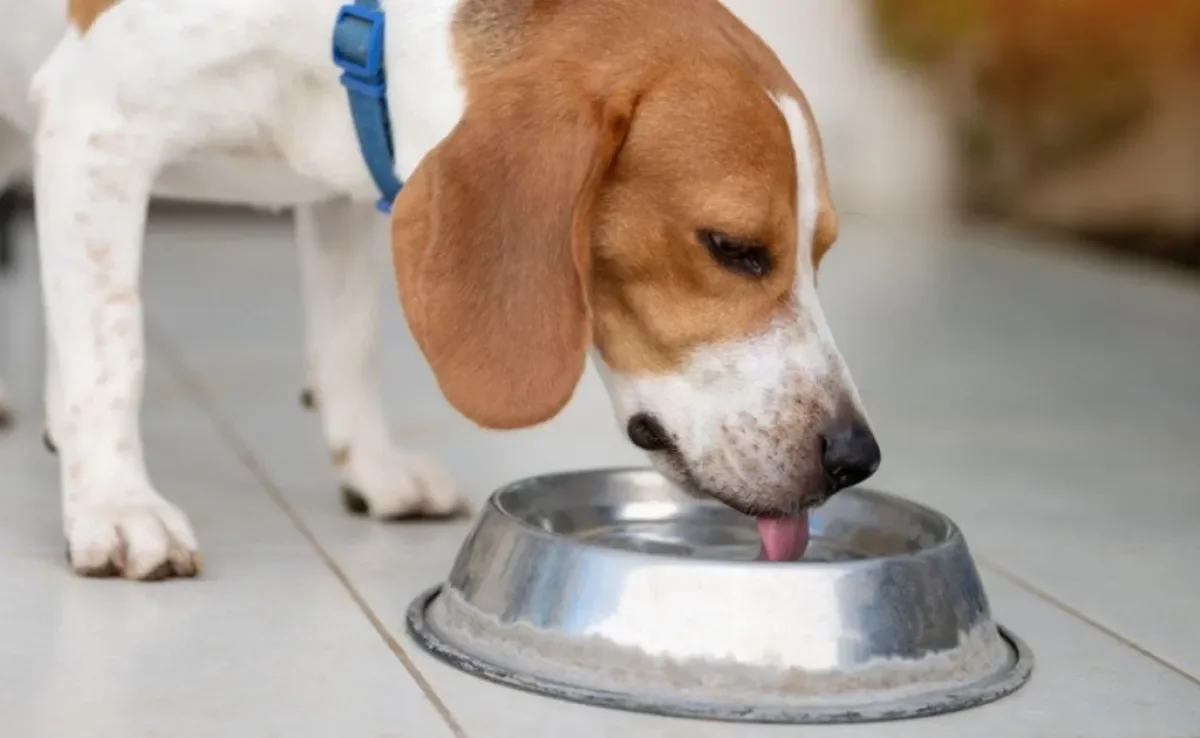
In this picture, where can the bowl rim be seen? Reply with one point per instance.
(953, 534)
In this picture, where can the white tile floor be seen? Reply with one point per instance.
(1051, 404)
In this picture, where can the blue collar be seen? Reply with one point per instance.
(358, 51)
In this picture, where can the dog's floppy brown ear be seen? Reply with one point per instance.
(490, 243)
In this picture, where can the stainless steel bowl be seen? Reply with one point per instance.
(613, 588)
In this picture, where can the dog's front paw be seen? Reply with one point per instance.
(140, 536)
(392, 485)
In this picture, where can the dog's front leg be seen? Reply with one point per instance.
(93, 172)
(341, 294)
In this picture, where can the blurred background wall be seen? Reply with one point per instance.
(1077, 116)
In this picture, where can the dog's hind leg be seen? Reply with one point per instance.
(14, 167)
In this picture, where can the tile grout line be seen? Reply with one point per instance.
(192, 386)
(1053, 601)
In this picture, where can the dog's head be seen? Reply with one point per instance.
(644, 178)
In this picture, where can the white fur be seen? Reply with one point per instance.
(219, 101)
(746, 415)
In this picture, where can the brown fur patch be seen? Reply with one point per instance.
(83, 13)
(599, 137)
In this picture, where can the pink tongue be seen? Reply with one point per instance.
(783, 539)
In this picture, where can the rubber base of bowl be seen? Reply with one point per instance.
(960, 698)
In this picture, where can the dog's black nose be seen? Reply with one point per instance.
(850, 455)
(647, 433)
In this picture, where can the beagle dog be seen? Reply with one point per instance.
(637, 181)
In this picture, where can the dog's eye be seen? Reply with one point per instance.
(744, 257)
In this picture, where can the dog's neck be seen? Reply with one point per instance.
(424, 91)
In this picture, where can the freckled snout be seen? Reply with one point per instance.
(846, 451)
(849, 454)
